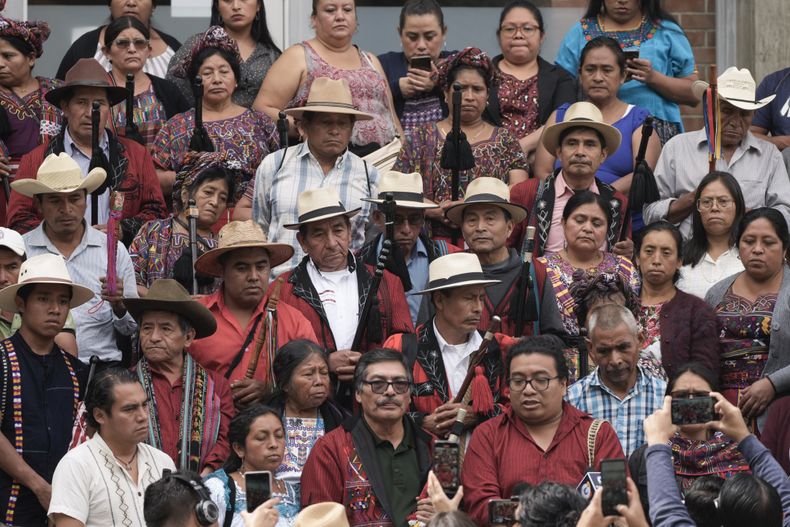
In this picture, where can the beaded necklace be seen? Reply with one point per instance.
(629, 38)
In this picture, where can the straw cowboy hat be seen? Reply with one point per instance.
(241, 235)
(166, 294)
(87, 73)
(735, 86)
(406, 190)
(59, 173)
(44, 269)
(328, 514)
(486, 190)
(319, 204)
(587, 115)
(329, 96)
(455, 270)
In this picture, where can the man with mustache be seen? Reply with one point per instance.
(755, 163)
(330, 287)
(244, 259)
(581, 142)
(440, 352)
(376, 464)
(412, 251)
(618, 390)
(189, 407)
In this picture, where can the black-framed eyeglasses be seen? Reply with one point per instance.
(689, 394)
(416, 219)
(138, 43)
(380, 386)
(539, 384)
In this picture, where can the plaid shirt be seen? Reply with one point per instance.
(626, 416)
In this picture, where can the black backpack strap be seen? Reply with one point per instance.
(237, 359)
(229, 510)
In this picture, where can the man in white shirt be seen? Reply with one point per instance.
(101, 482)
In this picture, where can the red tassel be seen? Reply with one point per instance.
(482, 399)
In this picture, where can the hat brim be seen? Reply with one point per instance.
(698, 88)
(454, 285)
(551, 134)
(456, 213)
(115, 94)
(406, 204)
(196, 313)
(208, 262)
(297, 113)
(79, 294)
(30, 187)
(348, 213)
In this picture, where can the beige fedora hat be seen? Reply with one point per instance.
(737, 87)
(59, 173)
(327, 514)
(241, 235)
(329, 96)
(406, 190)
(584, 114)
(166, 294)
(45, 268)
(455, 270)
(488, 190)
(319, 204)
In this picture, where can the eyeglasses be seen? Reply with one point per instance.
(382, 386)
(526, 30)
(709, 203)
(139, 43)
(415, 220)
(539, 384)
(688, 394)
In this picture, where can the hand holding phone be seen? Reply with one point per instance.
(258, 488)
(421, 63)
(502, 512)
(446, 463)
(692, 411)
(613, 481)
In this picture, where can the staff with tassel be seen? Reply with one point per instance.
(98, 160)
(482, 399)
(130, 130)
(267, 335)
(282, 129)
(116, 210)
(200, 141)
(192, 213)
(526, 311)
(711, 112)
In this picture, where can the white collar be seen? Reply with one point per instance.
(473, 342)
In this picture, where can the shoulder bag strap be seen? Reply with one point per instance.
(231, 508)
(237, 359)
(592, 435)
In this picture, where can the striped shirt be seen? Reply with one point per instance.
(626, 416)
(95, 320)
(275, 192)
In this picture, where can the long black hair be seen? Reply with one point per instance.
(661, 226)
(773, 216)
(420, 8)
(587, 197)
(651, 9)
(602, 41)
(117, 26)
(259, 31)
(289, 357)
(695, 368)
(239, 429)
(697, 245)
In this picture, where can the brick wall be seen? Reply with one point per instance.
(698, 20)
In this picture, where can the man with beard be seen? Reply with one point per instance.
(755, 163)
(618, 390)
(376, 464)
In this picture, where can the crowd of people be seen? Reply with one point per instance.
(220, 259)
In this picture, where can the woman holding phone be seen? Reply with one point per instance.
(257, 441)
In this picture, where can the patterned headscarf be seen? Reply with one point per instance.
(468, 57)
(32, 33)
(194, 164)
(215, 37)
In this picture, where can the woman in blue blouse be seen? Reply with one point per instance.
(660, 79)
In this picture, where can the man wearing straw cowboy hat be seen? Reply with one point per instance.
(415, 251)
(323, 160)
(131, 169)
(189, 408)
(41, 385)
(61, 195)
(330, 286)
(440, 353)
(244, 259)
(581, 143)
(755, 163)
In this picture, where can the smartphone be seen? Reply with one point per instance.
(696, 410)
(502, 512)
(631, 54)
(614, 488)
(259, 488)
(421, 63)
(446, 463)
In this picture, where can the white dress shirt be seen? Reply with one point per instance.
(456, 357)
(339, 293)
(698, 279)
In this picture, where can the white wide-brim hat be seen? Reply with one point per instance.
(319, 204)
(582, 114)
(43, 269)
(737, 87)
(487, 190)
(406, 190)
(241, 235)
(455, 270)
(59, 173)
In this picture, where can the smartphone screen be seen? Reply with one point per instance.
(615, 490)
(421, 63)
(696, 410)
(502, 512)
(259, 488)
(631, 54)
(445, 466)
